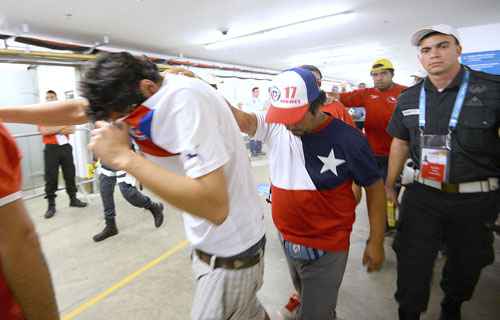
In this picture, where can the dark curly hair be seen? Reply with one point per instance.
(111, 83)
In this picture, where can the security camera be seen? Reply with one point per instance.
(224, 31)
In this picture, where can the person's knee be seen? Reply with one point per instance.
(132, 195)
(126, 190)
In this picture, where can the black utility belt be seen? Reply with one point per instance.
(230, 263)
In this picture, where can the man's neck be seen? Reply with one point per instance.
(388, 88)
(441, 81)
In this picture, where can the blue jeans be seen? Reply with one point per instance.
(129, 192)
(255, 147)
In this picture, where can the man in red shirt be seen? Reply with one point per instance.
(25, 286)
(380, 103)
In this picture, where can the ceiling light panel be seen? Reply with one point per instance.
(285, 31)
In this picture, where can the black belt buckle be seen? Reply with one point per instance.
(450, 187)
(229, 263)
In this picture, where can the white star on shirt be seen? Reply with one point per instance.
(330, 163)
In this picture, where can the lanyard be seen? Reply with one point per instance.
(459, 101)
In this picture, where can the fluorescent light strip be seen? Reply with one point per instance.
(271, 33)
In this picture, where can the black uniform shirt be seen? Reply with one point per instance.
(475, 141)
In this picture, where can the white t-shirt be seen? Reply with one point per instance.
(191, 119)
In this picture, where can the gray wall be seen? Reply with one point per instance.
(20, 86)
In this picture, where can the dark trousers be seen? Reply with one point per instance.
(255, 147)
(429, 217)
(129, 192)
(55, 156)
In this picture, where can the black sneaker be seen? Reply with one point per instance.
(75, 202)
(156, 209)
(51, 211)
(109, 230)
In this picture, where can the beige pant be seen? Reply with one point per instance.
(222, 294)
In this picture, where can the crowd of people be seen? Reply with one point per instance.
(189, 137)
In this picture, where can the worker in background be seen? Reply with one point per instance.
(58, 153)
(379, 103)
(255, 105)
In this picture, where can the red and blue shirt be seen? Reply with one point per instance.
(312, 199)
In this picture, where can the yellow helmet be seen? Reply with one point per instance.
(382, 64)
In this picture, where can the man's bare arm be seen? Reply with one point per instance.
(246, 121)
(206, 196)
(23, 264)
(50, 130)
(57, 113)
(376, 203)
(397, 157)
(68, 130)
(356, 190)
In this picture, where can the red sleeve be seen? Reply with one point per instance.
(337, 110)
(10, 168)
(353, 99)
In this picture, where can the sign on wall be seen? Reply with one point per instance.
(486, 61)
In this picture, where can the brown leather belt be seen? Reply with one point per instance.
(229, 263)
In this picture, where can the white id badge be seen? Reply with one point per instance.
(434, 157)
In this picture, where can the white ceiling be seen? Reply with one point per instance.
(343, 50)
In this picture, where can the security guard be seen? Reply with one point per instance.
(449, 125)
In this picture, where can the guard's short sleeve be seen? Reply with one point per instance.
(10, 168)
(187, 124)
(396, 127)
